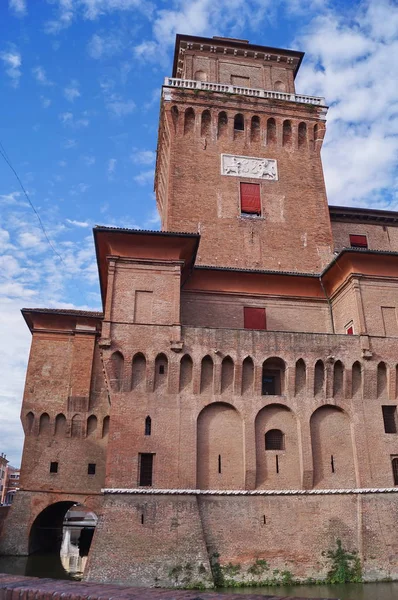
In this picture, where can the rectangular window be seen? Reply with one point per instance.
(358, 241)
(349, 328)
(53, 467)
(254, 318)
(394, 464)
(250, 201)
(390, 418)
(269, 385)
(91, 469)
(146, 468)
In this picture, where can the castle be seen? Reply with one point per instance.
(236, 401)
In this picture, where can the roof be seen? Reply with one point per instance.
(261, 271)
(351, 213)
(147, 231)
(66, 311)
(219, 41)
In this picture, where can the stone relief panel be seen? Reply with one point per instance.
(248, 166)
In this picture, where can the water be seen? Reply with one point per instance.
(349, 591)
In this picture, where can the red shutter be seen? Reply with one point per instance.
(350, 330)
(250, 198)
(358, 241)
(254, 318)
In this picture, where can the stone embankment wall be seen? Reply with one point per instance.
(3, 514)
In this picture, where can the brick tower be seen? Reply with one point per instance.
(239, 164)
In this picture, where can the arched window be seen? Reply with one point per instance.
(139, 371)
(200, 75)
(148, 425)
(301, 376)
(91, 424)
(274, 440)
(222, 123)
(227, 375)
(271, 131)
(116, 371)
(239, 122)
(247, 375)
(174, 116)
(356, 378)
(206, 374)
(287, 133)
(381, 379)
(279, 86)
(60, 424)
(205, 126)
(77, 427)
(273, 380)
(302, 134)
(30, 419)
(186, 369)
(105, 426)
(319, 377)
(189, 120)
(161, 364)
(255, 129)
(44, 423)
(394, 464)
(316, 129)
(338, 378)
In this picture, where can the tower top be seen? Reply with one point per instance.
(232, 47)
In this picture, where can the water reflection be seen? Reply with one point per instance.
(351, 591)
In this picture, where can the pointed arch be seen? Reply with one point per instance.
(356, 378)
(239, 122)
(255, 129)
(138, 377)
(319, 378)
(247, 375)
(29, 422)
(91, 424)
(338, 379)
(382, 390)
(316, 130)
(227, 375)
(206, 374)
(186, 370)
(148, 425)
(302, 135)
(205, 123)
(271, 131)
(287, 133)
(222, 123)
(300, 377)
(44, 424)
(161, 371)
(77, 426)
(116, 368)
(273, 377)
(189, 120)
(105, 426)
(174, 116)
(60, 425)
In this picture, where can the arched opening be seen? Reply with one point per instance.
(186, 370)
(222, 123)
(161, 369)
(247, 375)
(220, 465)
(255, 129)
(174, 116)
(239, 122)
(227, 375)
(356, 378)
(206, 375)
(271, 131)
(316, 129)
(302, 135)
(105, 426)
(273, 377)
(287, 133)
(138, 372)
(381, 380)
(200, 75)
(277, 448)
(44, 424)
(205, 125)
(319, 378)
(29, 422)
(91, 424)
(60, 425)
(62, 534)
(189, 120)
(116, 366)
(280, 86)
(77, 426)
(332, 448)
(338, 379)
(148, 425)
(300, 377)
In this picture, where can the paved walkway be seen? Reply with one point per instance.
(16, 587)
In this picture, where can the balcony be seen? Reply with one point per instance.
(208, 86)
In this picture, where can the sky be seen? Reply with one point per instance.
(80, 85)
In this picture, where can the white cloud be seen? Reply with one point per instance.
(45, 102)
(68, 144)
(80, 188)
(111, 165)
(118, 107)
(88, 160)
(40, 75)
(144, 177)
(10, 198)
(18, 7)
(143, 157)
(68, 119)
(105, 45)
(12, 62)
(72, 91)
(78, 223)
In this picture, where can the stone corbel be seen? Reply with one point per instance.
(365, 347)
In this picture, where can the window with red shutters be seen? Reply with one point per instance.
(350, 330)
(254, 318)
(250, 202)
(358, 241)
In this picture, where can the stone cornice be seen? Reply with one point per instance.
(193, 492)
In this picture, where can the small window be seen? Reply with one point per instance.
(91, 469)
(274, 440)
(254, 318)
(390, 418)
(161, 369)
(394, 464)
(250, 199)
(53, 467)
(349, 330)
(239, 122)
(148, 426)
(358, 241)
(269, 385)
(146, 468)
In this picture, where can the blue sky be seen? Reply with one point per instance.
(79, 95)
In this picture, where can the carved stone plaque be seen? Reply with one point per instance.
(248, 166)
